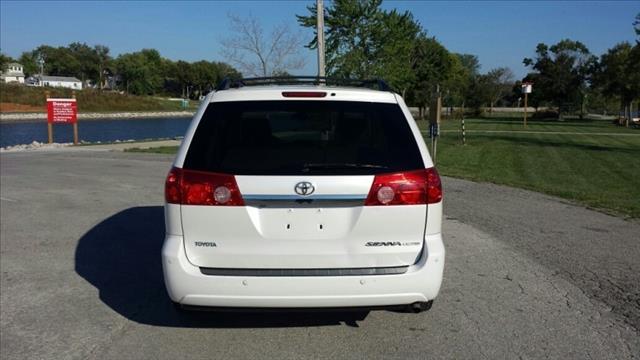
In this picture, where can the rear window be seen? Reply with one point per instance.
(303, 138)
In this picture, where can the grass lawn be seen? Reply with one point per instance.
(600, 171)
(515, 124)
(156, 150)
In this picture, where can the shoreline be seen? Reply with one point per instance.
(33, 117)
(116, 144)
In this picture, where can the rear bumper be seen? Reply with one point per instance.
(188, 286)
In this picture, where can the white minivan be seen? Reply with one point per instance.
(290, 194)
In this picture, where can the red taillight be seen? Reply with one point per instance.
(434, 186)
(406, 188)
(172, 192)
(188, 187)
(304, 94)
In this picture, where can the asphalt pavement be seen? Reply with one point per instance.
(527, 276)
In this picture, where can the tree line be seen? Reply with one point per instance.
(363, 40)
(143, 72)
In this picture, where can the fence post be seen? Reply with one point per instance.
(464, 139)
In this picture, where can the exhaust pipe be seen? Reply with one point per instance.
(420, 306)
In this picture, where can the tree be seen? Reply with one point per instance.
(498, 84)
(227, 71)
(461, 88)
(104, 63)
(88, 62)
(184, 76)
(349, 36)
(561, 74)
(58, 61)
(76, 59)
(478, 92)
(191, 80)
(364, 41)
(257, 54)
(28, 59)
(140, 72)
(396, 42)
(618, 74)
(432, 64)
(206, 76)
(4, 60)
(470, 63)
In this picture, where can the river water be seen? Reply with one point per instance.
(104, 130)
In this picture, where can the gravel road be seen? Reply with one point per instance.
(527, 276)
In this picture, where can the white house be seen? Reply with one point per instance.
(59, 81)
(13, 73)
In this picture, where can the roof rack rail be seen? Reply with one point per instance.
(229, 83)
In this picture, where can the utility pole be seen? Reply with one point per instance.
(41, 63)
(320, 32)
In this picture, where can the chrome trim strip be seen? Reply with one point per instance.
(336, 197)
(396, 270)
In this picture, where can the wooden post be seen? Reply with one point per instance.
(525, 108)
(75, 124)
(49, 125)
(434, 122)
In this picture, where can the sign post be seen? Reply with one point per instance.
(49, 124)
(75, 123)
(526, 89)
(62, 111)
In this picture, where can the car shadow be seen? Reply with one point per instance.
(120, 256)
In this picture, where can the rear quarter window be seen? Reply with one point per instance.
(303, 137)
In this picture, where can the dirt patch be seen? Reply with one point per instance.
(13, 107)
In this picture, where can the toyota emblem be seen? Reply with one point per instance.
(304, 188)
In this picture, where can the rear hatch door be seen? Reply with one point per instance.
(304, 170)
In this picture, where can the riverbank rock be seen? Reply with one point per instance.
(14, 117)
(36, 145)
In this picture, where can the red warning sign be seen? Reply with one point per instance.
(62, 111)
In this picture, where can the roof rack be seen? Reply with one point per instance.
(376, 84)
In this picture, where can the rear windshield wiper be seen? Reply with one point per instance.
(313, 166)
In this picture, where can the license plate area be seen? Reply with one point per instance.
(304, 223)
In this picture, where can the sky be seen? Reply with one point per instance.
(500, 33)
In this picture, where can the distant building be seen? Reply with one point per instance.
(58, 81)
(12, 73)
